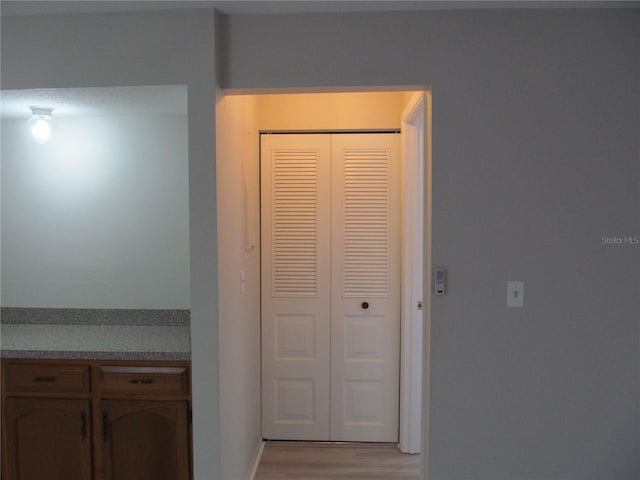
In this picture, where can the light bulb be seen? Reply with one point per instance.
(41, 131)
(40, 124)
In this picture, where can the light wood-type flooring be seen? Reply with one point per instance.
(313, 461)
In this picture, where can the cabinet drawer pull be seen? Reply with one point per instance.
(141, 381)
(44, 379)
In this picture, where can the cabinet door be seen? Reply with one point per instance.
(145, 440)
(47, 439)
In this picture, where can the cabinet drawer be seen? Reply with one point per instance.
(145, 380)
(47, 378)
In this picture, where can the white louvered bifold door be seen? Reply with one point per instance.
(295, 199)
(365, 299)
(330, 227)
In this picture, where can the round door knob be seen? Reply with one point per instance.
(365, 305)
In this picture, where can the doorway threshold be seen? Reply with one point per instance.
(327, 443)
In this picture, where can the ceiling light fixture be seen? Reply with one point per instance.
(40, 124)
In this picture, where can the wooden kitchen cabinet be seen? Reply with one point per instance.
(47, 439)
(145, 440)
(95, 420)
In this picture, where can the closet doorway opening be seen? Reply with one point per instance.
(330, 256)
(240, 124)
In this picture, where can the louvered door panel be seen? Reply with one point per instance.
(295, 286)
(295, 222)
(367, 208)
(365, 342)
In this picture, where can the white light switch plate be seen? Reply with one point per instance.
(515, 293)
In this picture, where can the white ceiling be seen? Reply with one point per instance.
(147, 100)
(237, 7)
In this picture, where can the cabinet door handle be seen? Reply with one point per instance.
(141, 381)
(105, 426)
(44, 379)
(83, 426)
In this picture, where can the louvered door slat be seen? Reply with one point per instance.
(295, 222)
(366, 222)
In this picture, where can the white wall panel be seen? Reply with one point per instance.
(99, 216)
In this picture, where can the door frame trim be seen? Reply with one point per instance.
(428, 206)
(413, 194)
(427, 279)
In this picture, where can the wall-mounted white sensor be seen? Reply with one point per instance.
(439, 281)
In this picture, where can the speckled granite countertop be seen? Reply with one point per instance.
(95, 334)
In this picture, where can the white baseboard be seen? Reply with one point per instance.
(256, 461)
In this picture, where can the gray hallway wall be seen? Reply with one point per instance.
(161, 48)
(536, 148)
(536, 157)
